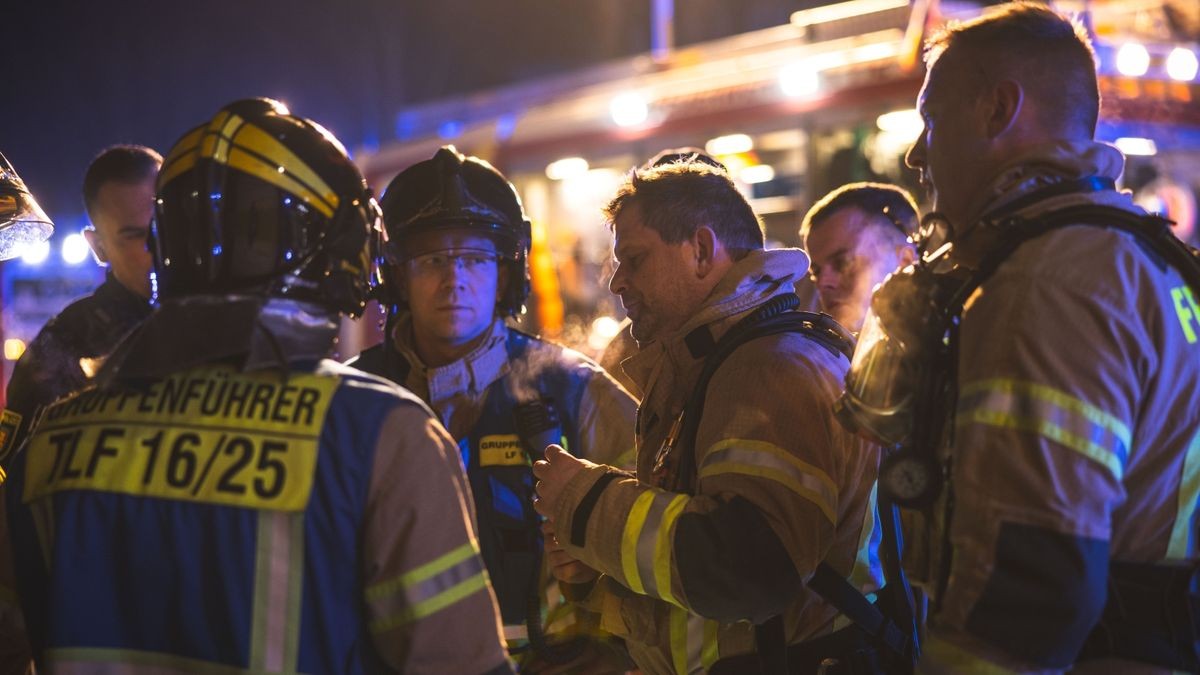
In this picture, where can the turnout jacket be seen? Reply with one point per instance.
(780, 487)
(312, 520)
(65, 354)
(475, 398)
(1077, 432)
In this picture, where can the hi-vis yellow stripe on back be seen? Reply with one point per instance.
(207, 435)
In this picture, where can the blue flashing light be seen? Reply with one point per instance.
(450, 129)
(216, 249)
(506, 124)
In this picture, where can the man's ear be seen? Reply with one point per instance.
(1004, 104)
(707, 250)
(96, 245)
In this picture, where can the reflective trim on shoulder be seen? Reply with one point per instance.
(693, 642)
(767, 460)
(92, 660)
(426, 589)
(1051, 414)
(1182, 546)
(646, 543)
(939, 657)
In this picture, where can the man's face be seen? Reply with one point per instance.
(121, 216)
(654, 278)
(451, 283)
(851, 253)
(952, 151)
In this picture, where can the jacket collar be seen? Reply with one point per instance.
(753, 280)
(472, 373)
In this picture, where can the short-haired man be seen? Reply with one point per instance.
(856, 236)
(722, 527)
(118, 193)
(1063, 369)
(454, 269)
(226, 499)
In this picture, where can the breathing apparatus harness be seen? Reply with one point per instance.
(901, 387)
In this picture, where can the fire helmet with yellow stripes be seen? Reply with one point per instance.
(451, 191)
(259, 201)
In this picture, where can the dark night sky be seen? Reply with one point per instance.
(80, 76)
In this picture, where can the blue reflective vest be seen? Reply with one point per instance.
(499, 469)
(208, 519)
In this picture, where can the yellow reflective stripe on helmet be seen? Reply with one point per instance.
(258, 153)
(1181, 546)
(646, 543)
(767, 460)
(693, 642)
(1050, 413)
(215, 143)
(182, 157)
(939, 656)
(426, 589)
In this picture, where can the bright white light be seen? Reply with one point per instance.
(629, 109)
(799, 79)
(729, 145)
(567, 167)
(36, 253)
(903, 123)
(604, 329)
(759, 173)
(1136, 146)
(74, 249)
(843, 10)
(1133, 60)
(1182, 64)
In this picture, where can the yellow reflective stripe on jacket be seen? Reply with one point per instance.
(646, 543)
(427, 589)
(767, 460)
(941, 657)
(1181, 546)
(1050, 413)
(91, 660)
(278, 592)
(693, 642)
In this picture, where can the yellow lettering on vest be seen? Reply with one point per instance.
(502, 450)
(1185, 308)
(189, 438)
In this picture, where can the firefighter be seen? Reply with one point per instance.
(225, 498)
(118, 193)
(454, 269)
(856, 236)
(740, 498)
(1040, 373)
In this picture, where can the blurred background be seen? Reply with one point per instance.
(564, 96)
